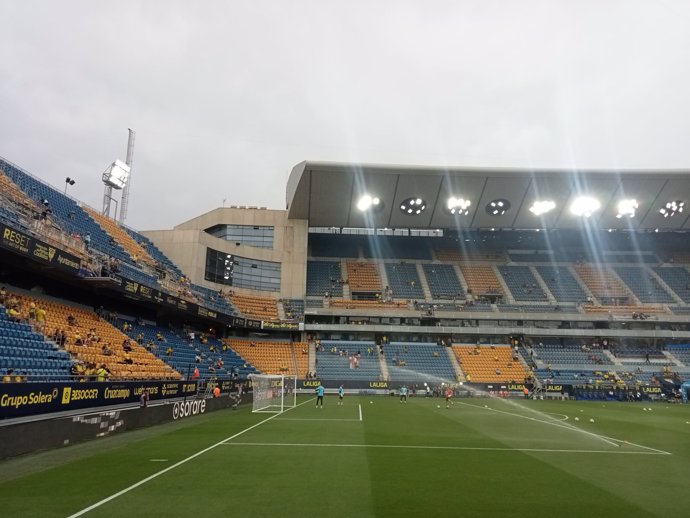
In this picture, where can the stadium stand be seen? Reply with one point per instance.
(334, 361)
(677, 278)
(522, 283)
(28, 355)
(484, 364)
(443, 281)
(561, 283)
(363, 277)
(324, 277)
(261, 308)
(418, 362)
(643, 285)
(367, 304)
(177, 349)
(481, 279)
(557, 354)
(680, 352)
(273, 357)
(293, 309)
(87, 336)
(404, 280)
(603, 284)
(136, 252)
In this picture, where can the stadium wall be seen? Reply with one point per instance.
(27, 437)
(186, 246)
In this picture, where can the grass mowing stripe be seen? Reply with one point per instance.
(430, 447)
(183, 461)
(558, 424)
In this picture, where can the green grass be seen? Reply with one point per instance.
(512, 458)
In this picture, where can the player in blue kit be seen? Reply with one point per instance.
(403, 394)
(319, 395)
(341, 395)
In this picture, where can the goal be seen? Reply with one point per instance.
(273, 393)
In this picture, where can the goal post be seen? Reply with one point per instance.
(273, 393)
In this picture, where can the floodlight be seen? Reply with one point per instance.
(672, 208)
(497, 207)
(627, 208)
(117, 175)
(458, 206)
(413, 206)
(540, 207)
(367, 201)
(584, 206)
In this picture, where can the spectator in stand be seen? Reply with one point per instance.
(128, 359)
(14, 315)
(169, 351)
(106, 351)
(40, 318)
(160, 337)
(32, 311)
(127, 345)
(71, 320)
(3, 295)
(8, 377)
(102, 373)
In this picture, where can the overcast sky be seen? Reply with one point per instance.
(226, 97)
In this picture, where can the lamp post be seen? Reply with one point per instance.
(68, 181)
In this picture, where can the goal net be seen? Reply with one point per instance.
(273, 393)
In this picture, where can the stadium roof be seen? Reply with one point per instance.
(327, 194)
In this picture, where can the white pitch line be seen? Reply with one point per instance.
(183, 461)
(552, 423)
(660, 452)
(314, 419)
(360, 412)
(425, 447)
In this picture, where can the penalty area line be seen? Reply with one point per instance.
(177, 464)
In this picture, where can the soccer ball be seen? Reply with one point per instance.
(577, 419)
(438, 406)
(371, 402)
(644, 409)
(591, 420)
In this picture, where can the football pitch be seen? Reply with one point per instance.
(374, 457)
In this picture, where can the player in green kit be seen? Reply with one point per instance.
(403, 394)
(341, 395)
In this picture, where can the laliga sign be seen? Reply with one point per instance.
(189, 408)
